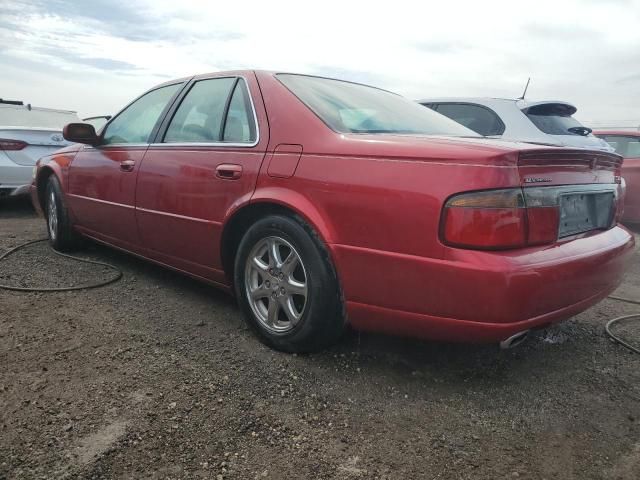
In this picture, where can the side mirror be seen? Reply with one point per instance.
(80, 133)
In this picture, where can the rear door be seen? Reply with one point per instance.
(102, 179)
(205, 160)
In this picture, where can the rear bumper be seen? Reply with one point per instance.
(475, 296)
(14, 178)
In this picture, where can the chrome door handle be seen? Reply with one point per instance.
(127, 165)
(229, 171)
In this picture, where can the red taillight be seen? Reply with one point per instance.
(498, 219)
(7, 144)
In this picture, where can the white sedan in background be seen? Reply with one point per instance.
(547, 123)
(26, 134)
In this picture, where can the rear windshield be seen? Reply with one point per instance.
(21, 116)
(352, 108)
(627, 146)
(555, 121)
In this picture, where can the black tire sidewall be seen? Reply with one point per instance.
(322, 321)
(66, 238)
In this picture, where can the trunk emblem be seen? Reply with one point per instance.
(56, 137)
(536, 180)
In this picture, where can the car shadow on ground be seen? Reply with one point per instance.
(382, 352)
(16, 207)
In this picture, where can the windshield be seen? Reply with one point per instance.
(352, 108)
(555, 120)
(21, 116)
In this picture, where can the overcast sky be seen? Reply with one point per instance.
(95, 56)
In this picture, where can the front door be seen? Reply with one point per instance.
(206, 161)
(102, 179)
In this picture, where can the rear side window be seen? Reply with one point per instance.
(478, 118)
(136, 122)
(627, 146)
(214, 110)
(556, 119)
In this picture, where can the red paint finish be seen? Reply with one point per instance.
(101, 192)
(378, 202)
(631, 175)
(284, 160)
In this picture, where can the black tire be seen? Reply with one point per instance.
(321, 321)
(62, 236)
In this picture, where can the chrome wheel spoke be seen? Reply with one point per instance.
(261, 267)
(260, 292)
(290, 310)
(290, 263)
(297, 288)
(272, 312)
(274, 254)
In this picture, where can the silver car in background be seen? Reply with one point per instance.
(26, 134)
(547, 123)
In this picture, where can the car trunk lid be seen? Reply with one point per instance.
(582, 186)
(25, 145)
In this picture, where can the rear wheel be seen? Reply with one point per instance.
(287, 287)
(61, 234)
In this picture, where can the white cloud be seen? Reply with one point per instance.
(95, 57)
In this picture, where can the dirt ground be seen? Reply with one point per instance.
(156, 377)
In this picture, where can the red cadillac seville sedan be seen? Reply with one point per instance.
(323, 203)
(627, 144)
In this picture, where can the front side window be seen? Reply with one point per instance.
(627, 146)
(353, 108)
(480, 119)
(214, 110)
(136, 122)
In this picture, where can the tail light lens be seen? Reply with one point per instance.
(500, 219)
(7, 144)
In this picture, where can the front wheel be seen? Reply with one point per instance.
(287, 286)
(62, 236)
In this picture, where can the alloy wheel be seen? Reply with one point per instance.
(52, 213)
(276, 284)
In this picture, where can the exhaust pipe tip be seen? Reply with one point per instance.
(514, 340)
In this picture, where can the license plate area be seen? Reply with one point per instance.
(585, 211)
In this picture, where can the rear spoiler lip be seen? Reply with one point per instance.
(594, 157)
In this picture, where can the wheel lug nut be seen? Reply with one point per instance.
(281, 276)
(274, 295)
(282, 290)
(267, 284)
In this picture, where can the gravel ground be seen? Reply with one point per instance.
(156, 377)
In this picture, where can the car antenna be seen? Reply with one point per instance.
(525, 89)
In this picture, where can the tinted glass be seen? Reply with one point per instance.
(480, 119)
(352, 108)
(200, 115)
(136, 122)
(626, 146)
(239, 126)
(554, 120)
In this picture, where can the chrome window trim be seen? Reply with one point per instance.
(217, 144)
